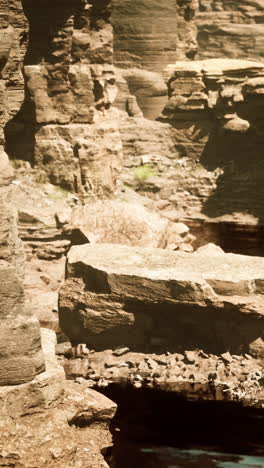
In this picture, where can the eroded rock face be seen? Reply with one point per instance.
(228, 28)
(66, 126)
(148, 36)
(21, 357)
(212, 131)
(51, 409)
(216, 109)
(117, 295)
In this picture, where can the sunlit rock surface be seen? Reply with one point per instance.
(116, 295)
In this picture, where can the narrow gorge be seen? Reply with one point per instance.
(131, 233)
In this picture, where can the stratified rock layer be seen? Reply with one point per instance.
(151, 34)
(66, 126)
(117, 295)
(21, 357)
(40, 419)
(230, 28)
(148, 35)
(216, 109)
(209, 165)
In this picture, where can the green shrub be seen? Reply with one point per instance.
(143, 173)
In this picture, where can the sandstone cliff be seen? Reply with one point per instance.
(230, 28)
(66, 121)
(20, 349)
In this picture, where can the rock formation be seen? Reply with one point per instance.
(116, 222)
(228, 28)
(147, 37)
(212, 164)
(20, 350)
(39, 411)
(187, 322)
(116, 295)
(66, 123)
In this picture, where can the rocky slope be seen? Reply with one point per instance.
(40, 420)
(203, 160)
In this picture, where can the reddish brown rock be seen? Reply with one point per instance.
(117, 294)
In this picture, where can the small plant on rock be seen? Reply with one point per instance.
(143, 173)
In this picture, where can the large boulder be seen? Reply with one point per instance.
(120, 222)
(115, 294)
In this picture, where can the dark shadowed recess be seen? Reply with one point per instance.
(176, 326)
(147, 418)
(240, 188)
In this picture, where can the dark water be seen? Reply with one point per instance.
(171, 457)
(134, 455)
(157, 429)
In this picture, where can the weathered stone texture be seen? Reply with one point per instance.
(20, 350)
(216, 109)
(119, 222)
(40, 420)
(13, 40)
(151, 34)
(70, 81)
(117, 295)
(213, 134)
(230, 28)
(148, 35)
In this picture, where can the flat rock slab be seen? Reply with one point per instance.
(216, 66)
(229, 273)
(116, 294)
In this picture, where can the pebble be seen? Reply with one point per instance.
(120, 351)
(227, 358)
(153, 365)
(161, 361)
(190, 357)
(137, 384)
(138, 377)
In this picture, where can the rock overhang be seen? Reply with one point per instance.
(167, 265)
(117, 294)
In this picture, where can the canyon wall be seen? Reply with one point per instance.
(21, 357)
(231, 28)
(148, 36)
(66, 126)
(205, 162)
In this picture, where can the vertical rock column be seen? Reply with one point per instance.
(21, 356)
(148, 36)
(186, 43)
(70, 86)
